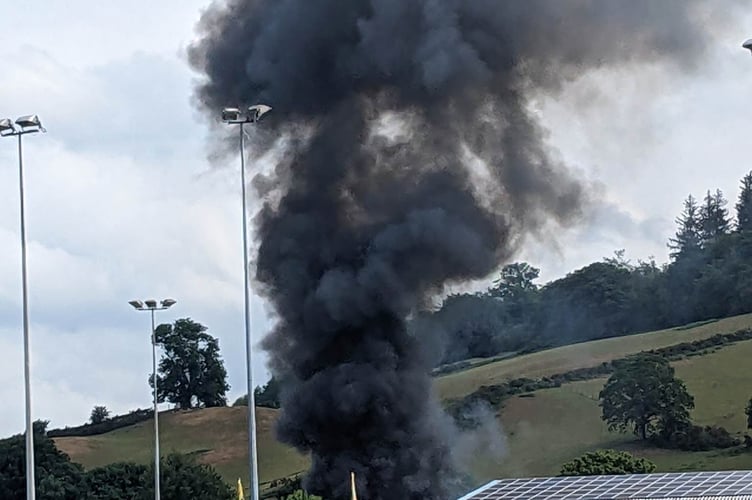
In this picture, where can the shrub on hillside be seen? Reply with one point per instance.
(747, 441)
(604, 462)
(283, 487)
(696, 438)
(182, 478)
(120, 481)
(301, 495)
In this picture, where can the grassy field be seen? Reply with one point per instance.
(565, 422)
(217, 436)
(562, 359)
(542, 430)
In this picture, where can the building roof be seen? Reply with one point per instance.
(728, 485)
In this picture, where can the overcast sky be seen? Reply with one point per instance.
(122, 202)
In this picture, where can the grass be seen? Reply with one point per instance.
(565, 422)
(217, 436)
(588, 354)
(542, 430)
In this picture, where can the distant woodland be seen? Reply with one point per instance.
(709, 276)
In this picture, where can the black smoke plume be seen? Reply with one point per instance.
(410, 160)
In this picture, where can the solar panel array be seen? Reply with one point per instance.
(685, 485)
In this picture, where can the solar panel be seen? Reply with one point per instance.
(682, 485)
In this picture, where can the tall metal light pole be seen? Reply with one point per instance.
(235, 117)
(29, 124)
(151, 305)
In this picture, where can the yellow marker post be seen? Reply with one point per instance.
(352, 485)
(240, 490)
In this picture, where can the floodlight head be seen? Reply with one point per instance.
(6, 126)
(137, 304)
(30, 122)
(168, 303)
(748, 45)
(256, 112)
(231, 115)
(151, 303)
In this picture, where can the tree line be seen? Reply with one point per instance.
(708, 276)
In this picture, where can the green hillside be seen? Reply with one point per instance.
(217, 436)
(564, 422)
(587, 354)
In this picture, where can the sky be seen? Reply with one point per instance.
(123, 201)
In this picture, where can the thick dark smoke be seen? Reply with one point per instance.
(411, 161)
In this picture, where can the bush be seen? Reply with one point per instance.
(183, 478)
(604, 462)
(120, 481)
(697, 438)
(283, 487)
(301, 495)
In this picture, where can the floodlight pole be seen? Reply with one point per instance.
(251, 397)
(152, 307)
(25, 125)
(30, 482)
(234, 116)
(156, 409)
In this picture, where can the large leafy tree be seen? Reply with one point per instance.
(466, 326)
(191, 372)
(643, 393)
(268, 396)
(592, 302)
(648, 297)
(514, 280)
(99, 414)
(605, 462)
(516, 289)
